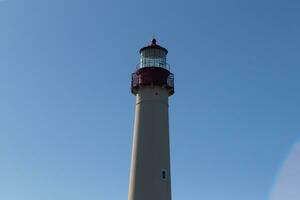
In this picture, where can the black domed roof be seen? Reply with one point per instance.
(153, 45)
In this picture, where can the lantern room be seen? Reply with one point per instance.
(153, 56)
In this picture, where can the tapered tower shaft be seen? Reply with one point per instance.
(152, 84)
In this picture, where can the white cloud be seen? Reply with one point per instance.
(287, 186)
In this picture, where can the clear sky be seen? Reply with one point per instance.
(66, 111)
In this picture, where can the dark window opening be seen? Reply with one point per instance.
(164, 174)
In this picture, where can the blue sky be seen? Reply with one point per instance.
(66, 111)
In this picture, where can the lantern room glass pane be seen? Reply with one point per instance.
(153, 62)
(153, 58)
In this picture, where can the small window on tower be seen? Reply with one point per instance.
(164, 174)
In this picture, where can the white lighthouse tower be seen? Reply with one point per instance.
(152, 83)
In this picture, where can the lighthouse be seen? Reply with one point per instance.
(152, 84)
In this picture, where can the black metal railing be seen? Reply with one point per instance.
(170, 80)
(135, 80)
(153, 63)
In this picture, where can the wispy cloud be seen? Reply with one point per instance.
(287, 186)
